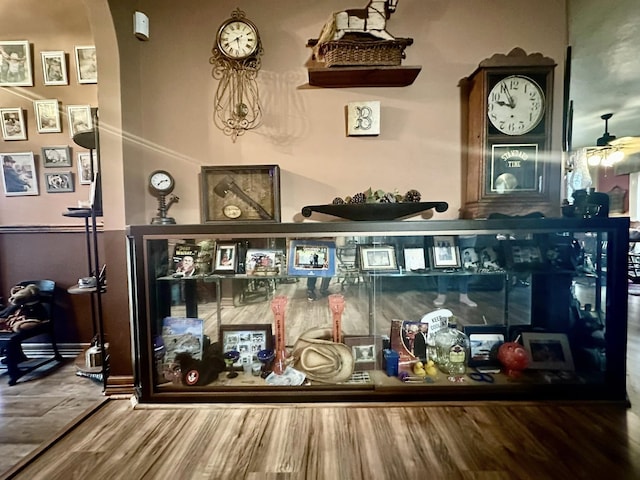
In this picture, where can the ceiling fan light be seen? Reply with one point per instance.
(616, 156)
(594, 159)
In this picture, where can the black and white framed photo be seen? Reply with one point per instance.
(548, 351)
(13, 127)
(414, 258)
(86, 168)
(47, 116)
(226, 258)
(79, 117)
(19, 174)
(54, 68)
(524, 255)
(16, 64)
(59, 182)
(86, 64)
(377, 258)
(57, 156)
(445, 252)
(312, 258)
(246, 339)
(366, 350)
(485, 340)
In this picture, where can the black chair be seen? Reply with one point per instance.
(16, 361)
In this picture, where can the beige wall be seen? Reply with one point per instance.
(59, 25)
(303, 129)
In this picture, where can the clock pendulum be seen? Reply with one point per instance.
(161, 184)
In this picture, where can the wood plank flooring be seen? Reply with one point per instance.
(340, 441)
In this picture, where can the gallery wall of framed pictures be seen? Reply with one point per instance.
(46, 115)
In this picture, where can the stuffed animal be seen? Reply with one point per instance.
(25, 310)
(200, 372)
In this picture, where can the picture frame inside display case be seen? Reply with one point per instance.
(226, 258)
(248, 339)
(312, 258)
(524, 255)
(377, 258)
(240, 193)
(548, 351)
(444, 252)
(485, 340)
(366, 350)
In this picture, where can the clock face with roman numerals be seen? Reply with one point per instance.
(237, 39)
(515, 105)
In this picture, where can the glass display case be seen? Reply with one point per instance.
(359, 311)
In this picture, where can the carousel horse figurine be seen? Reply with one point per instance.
(372, 20)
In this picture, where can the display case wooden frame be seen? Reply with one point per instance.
(241, 193)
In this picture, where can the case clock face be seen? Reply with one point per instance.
(515, 105)
(238, 39)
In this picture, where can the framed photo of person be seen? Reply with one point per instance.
(263, 261)
(378, 258)
(59, 182)
(19, 174)
(13, 127)
(79, 117)
(16, 64)
(312, 258)
(444, 252)
(58, 156)
(85, 170)
(54, 68)
(226, 258)
(86, 64)
(47, 116)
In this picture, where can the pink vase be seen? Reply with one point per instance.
(336, 305)
(278, 306)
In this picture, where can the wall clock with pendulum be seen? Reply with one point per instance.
(161, 184)
(507, 103)
(236, 63)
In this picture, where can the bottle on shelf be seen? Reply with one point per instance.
(452, 349)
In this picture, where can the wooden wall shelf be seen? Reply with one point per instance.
(368, 76)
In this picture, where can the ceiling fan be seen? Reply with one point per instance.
(609, 149)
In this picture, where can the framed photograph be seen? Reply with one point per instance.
(414, 259)
(59, 182)
(15, 68)
(226, 258)
(86, 168)
(19, 174)
(13, 127)
(523, 255)
(86, 64)
(181, 334)
(59, 156)
(79, 117)
(47, 116)
(245, 193)
(469, 259)
(485, 340)
(366, 350)
(377, 258)
(548, 351)
(445, 252)
(263, 261)
(246, 339)
(488, 259)
(312, 258)
(54, 68)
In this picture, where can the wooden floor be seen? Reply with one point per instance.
(416, 441)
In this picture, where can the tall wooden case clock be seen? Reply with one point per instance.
(507, 105)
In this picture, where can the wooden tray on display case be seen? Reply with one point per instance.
(375, 211)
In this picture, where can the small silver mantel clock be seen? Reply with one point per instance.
(161, 184)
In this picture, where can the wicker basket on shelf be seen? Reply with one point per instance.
(348, 52)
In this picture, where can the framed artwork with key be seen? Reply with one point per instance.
(241, 193)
